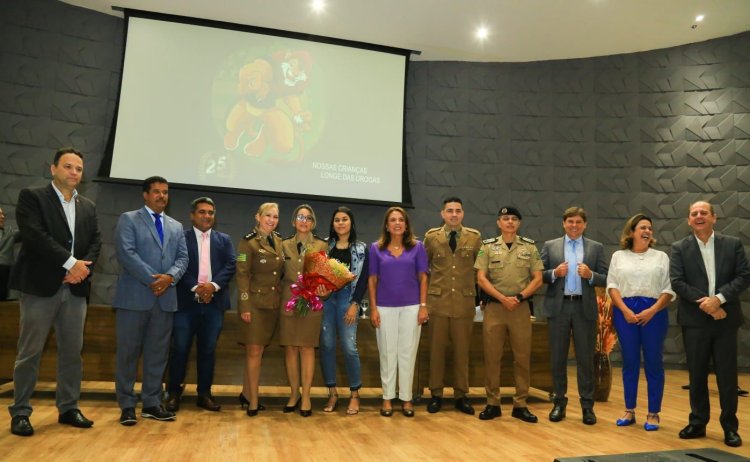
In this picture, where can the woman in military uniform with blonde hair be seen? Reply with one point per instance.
(259, 262)
(300, 334)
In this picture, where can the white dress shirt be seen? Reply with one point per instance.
(640, 274)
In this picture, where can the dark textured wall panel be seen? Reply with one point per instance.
(645, 132)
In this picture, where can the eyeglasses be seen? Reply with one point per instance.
(305, 218)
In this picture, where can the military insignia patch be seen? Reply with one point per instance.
(244, 296)
(242, 257)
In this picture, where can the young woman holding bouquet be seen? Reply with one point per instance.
(300, 334)
(341, 311)
(638, 284)
(398, 305)
(259, 262)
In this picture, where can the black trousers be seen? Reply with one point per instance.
(716, 341)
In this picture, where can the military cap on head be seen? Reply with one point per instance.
(509, 211)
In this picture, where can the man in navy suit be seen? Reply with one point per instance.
(709, 271)
(153, 257)
(60, 242)
(573, 266)
(202, 298)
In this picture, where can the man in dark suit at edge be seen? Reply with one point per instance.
(60, 241)
(202, 298)
(709, 271)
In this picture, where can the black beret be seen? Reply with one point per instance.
(509, 211)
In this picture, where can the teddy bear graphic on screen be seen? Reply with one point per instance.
(270, 111)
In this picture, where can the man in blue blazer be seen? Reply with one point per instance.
(153, 257)
(709, 271)
(202, 298)
(573, 266)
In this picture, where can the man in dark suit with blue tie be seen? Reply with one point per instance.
(60, 242)
(202, 299)
(709, 271)
(153, 257)
(573, 266)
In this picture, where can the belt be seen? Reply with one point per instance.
(572, 297)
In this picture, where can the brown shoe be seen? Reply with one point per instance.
(172, 403)
(207, 402)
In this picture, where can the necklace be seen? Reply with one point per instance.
(396, 247)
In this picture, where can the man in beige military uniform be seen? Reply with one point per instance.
(451, 298)
(509, 271)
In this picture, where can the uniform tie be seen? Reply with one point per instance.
(571, 279)
(452, 241)
(204, 261)
(159, 228)
(270, 242)
(299, 248)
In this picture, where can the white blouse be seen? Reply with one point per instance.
(640, 274)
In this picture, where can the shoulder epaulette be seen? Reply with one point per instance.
(472, 230)
(433, 230)
(287, 238)
(315, 236)
(526, 239)
(277, 234)
(251, 235)
(491, 240)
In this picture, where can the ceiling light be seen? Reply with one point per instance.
(699, 18)
(482, 33)
(318, 5)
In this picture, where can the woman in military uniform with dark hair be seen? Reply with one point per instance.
(300, 334)
(259, 263)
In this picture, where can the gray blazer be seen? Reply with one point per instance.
(7, 240)
(141, 255)
(553, 253)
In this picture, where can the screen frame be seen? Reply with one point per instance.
(106, 164)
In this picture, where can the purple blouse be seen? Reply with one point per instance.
(398, 278)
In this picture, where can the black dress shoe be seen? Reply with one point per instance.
(207, 402)
(158, 413)
(252, 412)
(462, 404)
(21, 426)
(557, 413)
(288, 409)
(172, 403)
(407, 412)
(589, 418)
(524, 414)
(244, 403)
(693, 431)
(127, 417)
(732, 439)
(305, 412)
(490, 412)
(386, 412)
(75, 418)
(436, 403)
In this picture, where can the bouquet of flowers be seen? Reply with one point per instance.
(605, 332)
(319, 270)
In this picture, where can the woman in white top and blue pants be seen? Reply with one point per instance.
(638, 284)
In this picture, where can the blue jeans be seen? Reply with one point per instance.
(205, 324)
(649, 338)
(333, 323)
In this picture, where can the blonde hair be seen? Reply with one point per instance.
(626, 238)
(306, 207)
(264, 207)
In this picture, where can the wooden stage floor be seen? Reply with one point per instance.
(199, 435)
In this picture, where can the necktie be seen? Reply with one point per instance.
(571, 280)
(452, 241)
(299, 248)
(204, 261)
(159, 229)
(270, 242)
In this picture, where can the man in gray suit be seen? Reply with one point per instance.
(8, 237)
(153, 256)
(709, 271)
(573, 266)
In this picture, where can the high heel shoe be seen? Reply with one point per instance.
(288, 409)
(352, 409)
(244, 403)
(407, 411)
(624, 421)
(649, 427)
(252, 412)
(305, 412)
(333, 403)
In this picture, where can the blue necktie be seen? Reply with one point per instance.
(159, 229)
(571, 280)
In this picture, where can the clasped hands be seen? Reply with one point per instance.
(582, 269)
(161, 283)
(204, 292)
(712, 307)
(78, 272)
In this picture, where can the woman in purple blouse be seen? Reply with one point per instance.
(398, 308)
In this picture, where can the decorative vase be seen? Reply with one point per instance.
(602, 377)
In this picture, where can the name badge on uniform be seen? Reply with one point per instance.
(524, 254)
